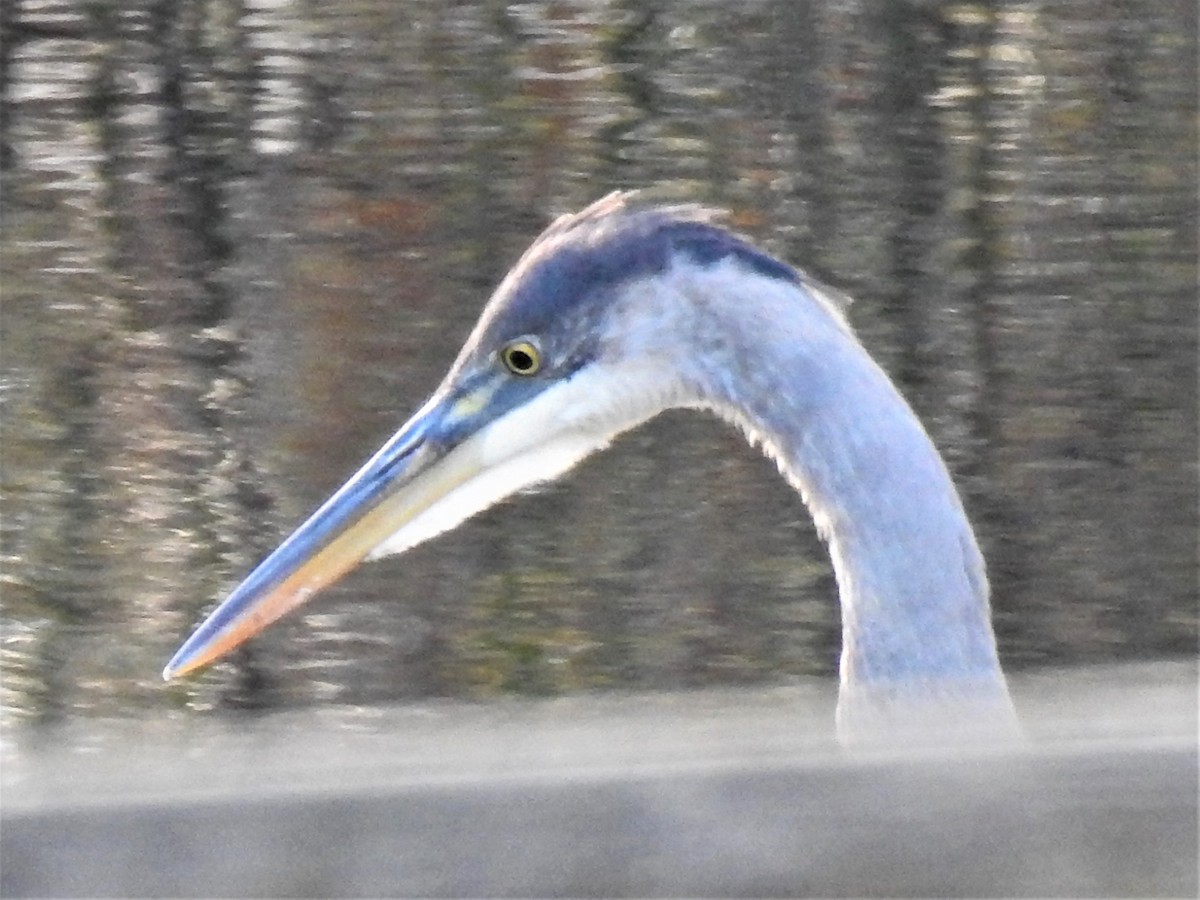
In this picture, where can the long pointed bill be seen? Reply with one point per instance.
(408, 475)
(465, 450)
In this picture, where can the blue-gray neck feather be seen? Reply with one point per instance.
(691, 315)
(776, 358)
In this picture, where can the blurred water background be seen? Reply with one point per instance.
(242, 239)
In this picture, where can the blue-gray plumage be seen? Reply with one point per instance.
(613, 315)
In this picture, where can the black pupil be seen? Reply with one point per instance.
(520, 360)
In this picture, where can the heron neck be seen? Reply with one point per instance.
(916, 623)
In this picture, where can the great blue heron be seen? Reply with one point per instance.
(613, 315)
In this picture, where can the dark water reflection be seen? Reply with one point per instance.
(241, 241)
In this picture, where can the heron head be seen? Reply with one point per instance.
(563, 359)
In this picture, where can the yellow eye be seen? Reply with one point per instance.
(521, 358)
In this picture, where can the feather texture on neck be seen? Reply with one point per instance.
(781, 363)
